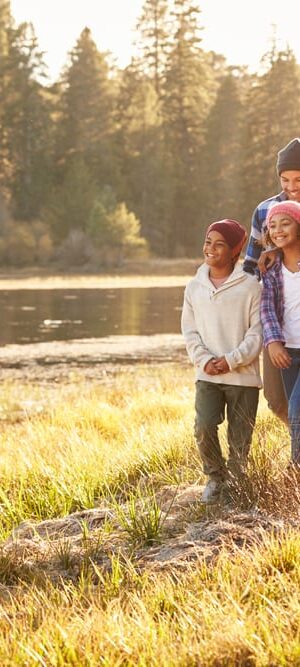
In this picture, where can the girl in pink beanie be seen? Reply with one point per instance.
(280, 309)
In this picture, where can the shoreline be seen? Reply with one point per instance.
(149, 273)
(92, 282)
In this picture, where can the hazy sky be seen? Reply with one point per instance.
(240, 30)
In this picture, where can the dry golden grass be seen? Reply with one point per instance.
(73, 447)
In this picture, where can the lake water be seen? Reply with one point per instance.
(30, 316)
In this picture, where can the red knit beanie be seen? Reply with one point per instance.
(233, 233)
(291, 208)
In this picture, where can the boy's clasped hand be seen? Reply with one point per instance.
(216, 366)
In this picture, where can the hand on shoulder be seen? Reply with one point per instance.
(267, 259)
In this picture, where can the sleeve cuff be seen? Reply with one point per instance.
(230, 360)
(202, 363)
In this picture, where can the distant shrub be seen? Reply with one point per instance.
(23, 243)
(76, 249)
(116, 233)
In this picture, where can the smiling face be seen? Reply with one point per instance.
(284, 231)
(290, 184)
(217, 252)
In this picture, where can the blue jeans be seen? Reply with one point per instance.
(291, 381)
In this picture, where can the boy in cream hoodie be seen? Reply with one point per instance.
(223, 336)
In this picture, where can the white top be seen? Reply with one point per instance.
(291, 291)
(224, 321)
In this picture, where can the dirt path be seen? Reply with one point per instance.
(191, 533)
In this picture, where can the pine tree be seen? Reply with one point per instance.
(140, 150)
(271, 119)
(26, 134)
(153, 41)
(5, 24)
(222, 174)
(86, 121)
(185, 107)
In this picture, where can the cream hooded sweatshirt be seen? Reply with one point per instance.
(224, 321)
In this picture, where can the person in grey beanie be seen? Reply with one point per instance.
(288, 171)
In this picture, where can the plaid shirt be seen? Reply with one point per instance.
(272, 304)
(258, 227)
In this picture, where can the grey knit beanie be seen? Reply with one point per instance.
(288, 158)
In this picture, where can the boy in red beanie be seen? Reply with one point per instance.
(222, 331)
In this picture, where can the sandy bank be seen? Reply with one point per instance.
(92, 282)
(91, 357)
(149, 273)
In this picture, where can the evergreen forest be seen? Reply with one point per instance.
(107, 163)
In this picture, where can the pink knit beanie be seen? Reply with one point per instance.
(291, 208)
(232, 231)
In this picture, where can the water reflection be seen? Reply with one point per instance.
(45, 315)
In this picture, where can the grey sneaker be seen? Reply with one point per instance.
(211, 493)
